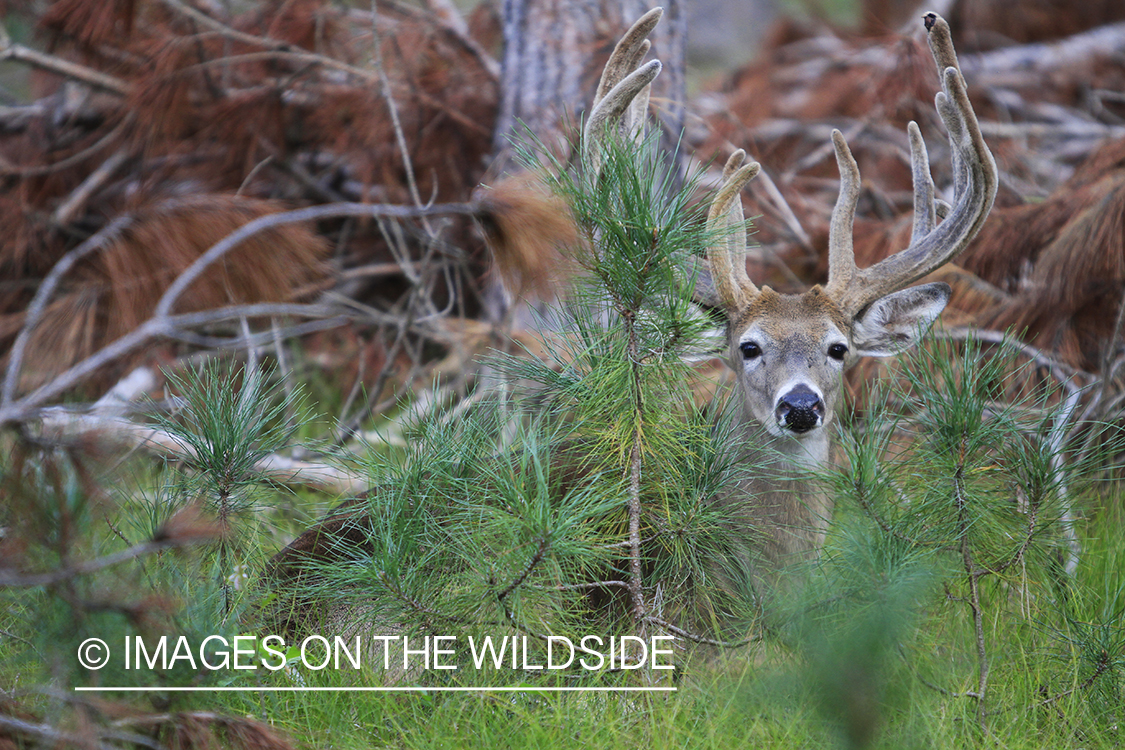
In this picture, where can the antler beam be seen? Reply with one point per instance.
(931, 245)
(727, 254)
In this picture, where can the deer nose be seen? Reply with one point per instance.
(800, 409)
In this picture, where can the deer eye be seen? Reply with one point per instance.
(750, 350)
(838, 351)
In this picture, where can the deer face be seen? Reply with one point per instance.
(790, 351)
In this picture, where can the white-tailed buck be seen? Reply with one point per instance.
(789, 351)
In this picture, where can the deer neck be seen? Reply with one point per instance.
(779, 494)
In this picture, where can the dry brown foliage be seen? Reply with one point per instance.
(281, 106)
(208, 122)
(986, 24)
(1049, 263)
(199, 730)
(117, 290)
(529, 232)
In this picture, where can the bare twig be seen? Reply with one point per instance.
(63, 67)
(24, 641)
(695, 638)
(256, 340)
(76, 201)
(9, 577)
(1100, 668)
(297, 216)
(783, 208)
(544, 545)
(583, 586)
(161, 323)
(392, 108)
(74, 159)
(152, 329)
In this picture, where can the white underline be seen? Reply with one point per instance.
(295, 689)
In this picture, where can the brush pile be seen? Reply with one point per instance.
(183, 123)
(153, 129)
(147, 135)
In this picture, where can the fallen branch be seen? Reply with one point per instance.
(95, 78)
(162, 324)
(63, 424)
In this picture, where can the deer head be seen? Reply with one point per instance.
(789, 350)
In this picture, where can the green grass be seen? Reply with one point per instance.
(766, 695)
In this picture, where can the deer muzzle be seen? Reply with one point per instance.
(800, 410)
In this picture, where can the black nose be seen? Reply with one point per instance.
(800, 410)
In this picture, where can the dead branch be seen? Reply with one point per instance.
(10, 577)
(1014, 64)
(75, 159)
(62, 424)
(695, 638)
(162, 324)
(155, 328)
(96, 78)
(392, 107)
(1073, 129)
(76, 201)
(297, 216)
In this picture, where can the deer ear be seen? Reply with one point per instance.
(697, 272)
(895, 322)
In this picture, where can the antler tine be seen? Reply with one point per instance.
(841, 253)
(727, 255)
(611, 109)
(628, 52)
(925, 210)
(974, 185)
(622, 95)
(638, 109)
